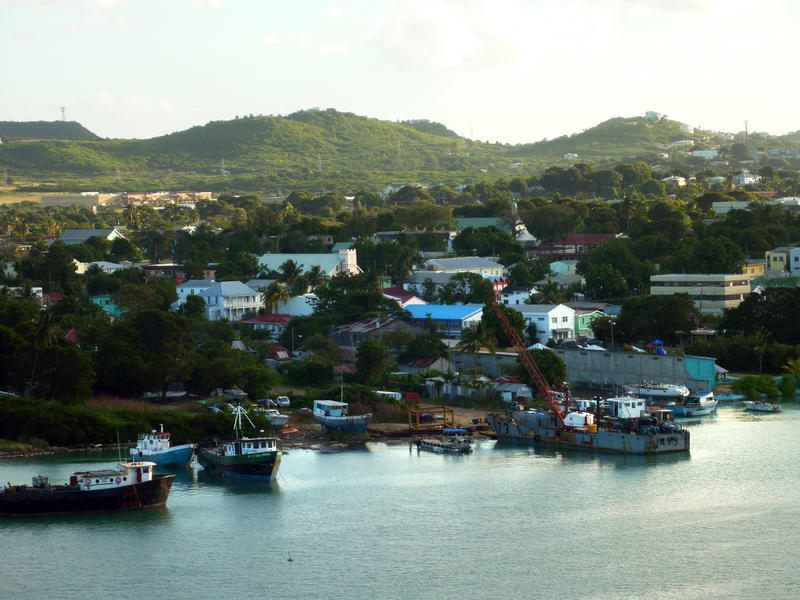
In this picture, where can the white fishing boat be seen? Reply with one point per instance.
(761, 406)
(155, 446)
(657, 391)
(275, 417)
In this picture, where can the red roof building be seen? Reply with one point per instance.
(403, 297)
(575, 245)
(275, 323)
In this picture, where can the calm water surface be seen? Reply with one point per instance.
(384, 522)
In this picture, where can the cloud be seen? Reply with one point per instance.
(448, 34)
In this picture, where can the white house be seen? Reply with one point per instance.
(555, 321)
(516, 294)
(675, 180)
(330, 264)
(230, 300)
(707, 154)
(192, 287)
(103, 265)
(746, 178)
(402, 297)
(467, 264)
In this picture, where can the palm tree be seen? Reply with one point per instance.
(314, 276)
(474, 338)
(275, 293)
(45, 335)
(290, 271)
(549, 293)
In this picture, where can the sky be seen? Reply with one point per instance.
(510, 71)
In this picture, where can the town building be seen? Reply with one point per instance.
(352, 334)
(72, 237)
(777, 259)
(466, 264)
(754, 267)
(345, 261)
(393, 236)
(516, 294)
(552, 321)
(746, 178)
(85, 199)
(711, 293)
(574, 246)
(230, 300)
(274, 324)
(449, 320)
(402, 297)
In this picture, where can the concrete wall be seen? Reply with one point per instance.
(605, 370)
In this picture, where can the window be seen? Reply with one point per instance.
(554, 320)
(564, 319)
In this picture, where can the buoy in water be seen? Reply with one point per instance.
(290, 559)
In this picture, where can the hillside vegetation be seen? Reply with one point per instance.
(318, 150)
(44, 130)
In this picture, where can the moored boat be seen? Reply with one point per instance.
(247, 458)
(696, 405)
(657, 391)
(761, 406)
(155, 446)
(332, 415)
(626, 429)
(131, 486)
(452, 441)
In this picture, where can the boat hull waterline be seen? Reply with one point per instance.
(250, 467)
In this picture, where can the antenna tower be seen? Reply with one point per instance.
(745, 130)
(63, 113)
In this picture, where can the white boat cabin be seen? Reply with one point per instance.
(153, 442)
(579, 420)
(330, 408)
(126, 473)
(245, 446)
(625, 407)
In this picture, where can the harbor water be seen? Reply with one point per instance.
(387, 521)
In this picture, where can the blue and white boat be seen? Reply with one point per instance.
(696, 405)
(333, 416)
(155, 447)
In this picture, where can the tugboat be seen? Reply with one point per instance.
(155, 446)
(252, 459)
(131, 486)
(452, 441)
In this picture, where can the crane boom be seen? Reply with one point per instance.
(530, 366)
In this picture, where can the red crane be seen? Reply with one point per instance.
(530, 366)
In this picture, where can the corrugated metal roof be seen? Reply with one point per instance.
(449, 312)
(463, 263)
(229, 289)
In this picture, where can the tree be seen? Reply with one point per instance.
(372, 361)
(476, 337)
(492, 326)
(194, 307)
(551, 222)
(549, 293)
(45, 334)
(275, 293)
(604, 282)
(647, 317)
(289, 272)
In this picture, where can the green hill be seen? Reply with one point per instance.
(315, 150)
(44, 130)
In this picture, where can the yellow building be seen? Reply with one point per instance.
(777, 259)
(754, 267)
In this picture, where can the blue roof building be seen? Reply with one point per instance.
(450, 319)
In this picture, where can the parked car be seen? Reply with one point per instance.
(212, 409)
(283, 401)
(267, 402)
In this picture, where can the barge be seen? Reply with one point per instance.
(626, 430)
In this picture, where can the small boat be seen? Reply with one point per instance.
(131, 486)
(155, 447)
(253, 459)
(657, 391)
(275, 417)
(696, 405)
(760, 406)
(332, 415)
(452, 441)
